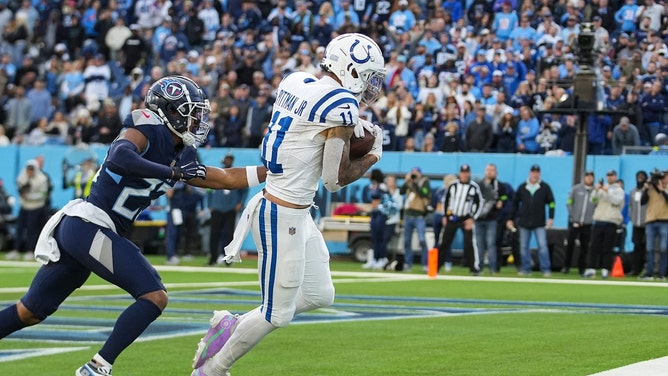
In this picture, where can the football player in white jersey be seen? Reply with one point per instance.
(308, 139)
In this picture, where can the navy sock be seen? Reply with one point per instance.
(130, 325)
(10, 321)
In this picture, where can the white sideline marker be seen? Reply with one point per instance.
(654, 367)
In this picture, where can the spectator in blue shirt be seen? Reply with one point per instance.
(527, 130)
(454, 7)
(626, 16)
(402, 19)
(505, 22)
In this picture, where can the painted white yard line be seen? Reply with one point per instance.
(654, 367)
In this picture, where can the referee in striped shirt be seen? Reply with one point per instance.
(462, 205)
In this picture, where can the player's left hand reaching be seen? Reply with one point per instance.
(188, 171)
(358, 131)
(377, 148)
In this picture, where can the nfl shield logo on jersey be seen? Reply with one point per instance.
(292, 231)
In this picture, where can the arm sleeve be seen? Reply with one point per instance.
(124, 159)
(330, 165)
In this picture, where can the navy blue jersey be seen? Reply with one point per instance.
(123, 197)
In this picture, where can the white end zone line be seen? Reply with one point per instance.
(654, 367)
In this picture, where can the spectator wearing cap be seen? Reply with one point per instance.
(257, 119)
(134, 49)
(626, 16)
(33, 188)
(479, 133)
(417, 191)
(580, 218)
(478, 66)
(652, 107)
(401, 20)
(624, 134)
(528, 212)
(609, 200)
(462, 205)
(505, 21)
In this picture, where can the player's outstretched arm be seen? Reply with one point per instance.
(231, 178)
(337, 168)
(124, 157)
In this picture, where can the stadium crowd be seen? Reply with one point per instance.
(472, 75)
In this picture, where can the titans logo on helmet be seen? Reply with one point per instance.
(173, 89)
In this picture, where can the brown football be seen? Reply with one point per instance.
(359, 147)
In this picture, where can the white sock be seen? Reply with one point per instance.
(101, 361)
(250, 330)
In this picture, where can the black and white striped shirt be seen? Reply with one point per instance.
(463, 200)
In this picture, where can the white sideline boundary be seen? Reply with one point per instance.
(654, 367)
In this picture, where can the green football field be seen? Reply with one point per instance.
(382, 323)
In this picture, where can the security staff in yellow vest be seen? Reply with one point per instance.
(82, 178)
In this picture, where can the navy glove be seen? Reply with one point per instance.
(188, 171)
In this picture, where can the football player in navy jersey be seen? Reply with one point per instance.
(156, 148)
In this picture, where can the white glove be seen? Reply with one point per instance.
(358, 131)
(377, 148)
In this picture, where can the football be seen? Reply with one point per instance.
(359, 147)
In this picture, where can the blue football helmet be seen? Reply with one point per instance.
(183, 106)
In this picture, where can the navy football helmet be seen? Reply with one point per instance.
(182, 105)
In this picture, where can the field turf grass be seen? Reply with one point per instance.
(382, 323)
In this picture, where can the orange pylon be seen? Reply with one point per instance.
(617, 268)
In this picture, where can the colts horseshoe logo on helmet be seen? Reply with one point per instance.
(172, 89)
(352, 52)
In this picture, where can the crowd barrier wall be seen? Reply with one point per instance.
(512, 168)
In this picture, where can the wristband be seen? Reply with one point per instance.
(251, 176)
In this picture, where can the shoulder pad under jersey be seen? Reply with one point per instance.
(145, 117)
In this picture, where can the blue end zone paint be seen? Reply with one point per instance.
(193, 320)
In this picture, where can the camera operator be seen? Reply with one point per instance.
(418, 193)
(655, 196)
(609, 200)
